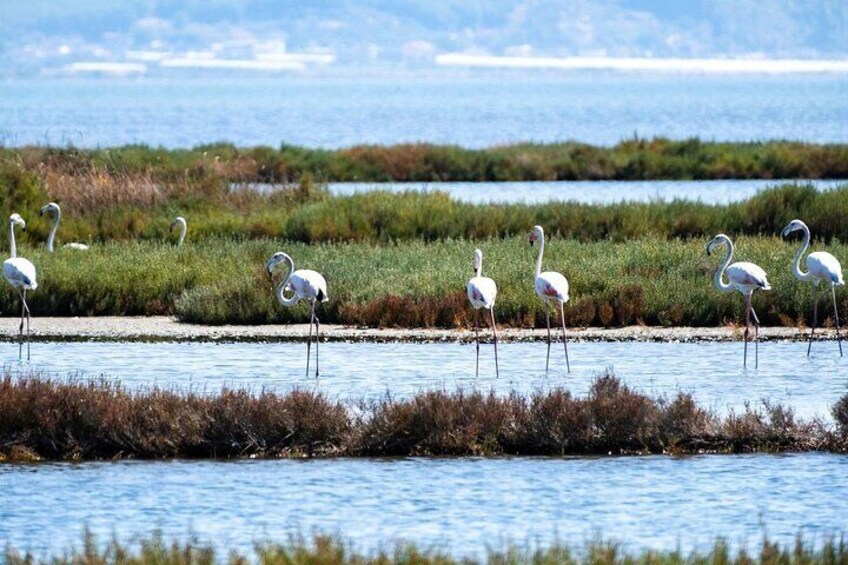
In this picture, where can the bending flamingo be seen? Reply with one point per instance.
(482, 292)
(551, 287)
(746, 278)
(53, 209)
(306, 285)
(180, 222)
(20, 273)
(821, 267)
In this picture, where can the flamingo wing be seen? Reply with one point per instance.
(482, 292)
(746, 276)
(826, 267)
(309, 284)
(552, 286)
(20, 273)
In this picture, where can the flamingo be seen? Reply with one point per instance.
(482, 292)
(21, 275)
(551, 287)
(53, 208)
(307, 285)
(746, 278)
(821, 267)
(179, 221)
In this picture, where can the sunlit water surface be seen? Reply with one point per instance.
(712, 372)
(462, 505)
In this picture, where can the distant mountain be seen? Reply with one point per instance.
(38, 36)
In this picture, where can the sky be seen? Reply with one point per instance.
(156, 36)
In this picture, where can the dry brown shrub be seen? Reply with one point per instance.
(94, 189)
(606, 314)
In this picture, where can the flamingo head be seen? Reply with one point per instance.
(477, 264)
(792, 226)
(717, 241)
(178, 221)
(16, 220)
(50, 208)
(536, 234)
(275, 260)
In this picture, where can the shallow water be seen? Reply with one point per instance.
(471, 110)
(589, 192)
(711, 371)
(463, 505)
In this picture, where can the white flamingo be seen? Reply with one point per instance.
(551, 287)
(482, 292)
(307, 285)
(54, 209)
(180, 222)
(746, 278)
(821, 267)
(21, 275)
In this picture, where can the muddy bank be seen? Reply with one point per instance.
(162, 328)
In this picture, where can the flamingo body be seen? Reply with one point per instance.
(482, 292)
(20, 273)
(552, 287)
(825, 267)
(309, 285)
(747, 277)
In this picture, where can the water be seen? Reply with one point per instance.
(589, 192)
(472, 110)
(462, 505)
(712, 372)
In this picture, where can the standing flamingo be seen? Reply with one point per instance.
(307, 285)
(53, 208)
(821, 267)
(180, 222)
(482, 292)
(746, 278)
(20, 273)
(550, 287)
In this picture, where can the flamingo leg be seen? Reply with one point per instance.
(309, 339)
(756, 338)
(564, 341)
(21, 329)
(747, 324)
(495, 335)
(548, 317)
(815, 317)
(28, 319)
(836, 318)
(317, 338)
(477, 339)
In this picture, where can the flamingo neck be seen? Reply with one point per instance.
(281, 287)
(539, 257)
(479, 270)
(13, 250)
(796, 266)
(719, 275)
(182, 233)
(52, 237)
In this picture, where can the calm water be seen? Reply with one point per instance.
(711, 371)
(462, 505)
(471, 110)
(590, 192)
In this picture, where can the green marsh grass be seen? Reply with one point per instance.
(650, 281)
(81, 419)
(333, 550)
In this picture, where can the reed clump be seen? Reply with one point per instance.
(95, 419)
(332, 550)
